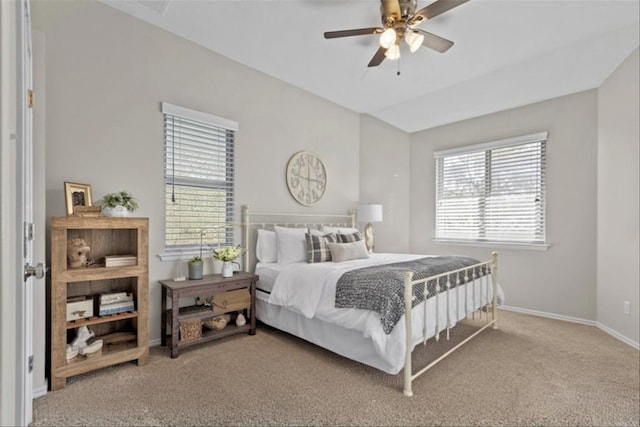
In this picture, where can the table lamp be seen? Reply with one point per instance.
(369, 213)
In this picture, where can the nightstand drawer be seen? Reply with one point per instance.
(231, 301)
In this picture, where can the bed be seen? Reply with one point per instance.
(337, 303)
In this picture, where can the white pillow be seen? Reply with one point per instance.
(266, 249)
(338, 230)
(291, 244)
(348, 251)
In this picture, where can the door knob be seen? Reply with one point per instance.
(37, 271)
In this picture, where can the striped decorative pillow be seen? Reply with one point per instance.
(318, 246)
(348, 238)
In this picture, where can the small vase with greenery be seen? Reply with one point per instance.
(228, 253)
(118, 204)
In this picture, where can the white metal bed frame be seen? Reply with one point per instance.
(348, 220)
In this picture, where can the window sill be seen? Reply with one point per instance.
(494, 245)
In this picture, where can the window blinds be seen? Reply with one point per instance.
(493, 192)
(199, 178)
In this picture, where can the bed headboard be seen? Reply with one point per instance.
(251, 222)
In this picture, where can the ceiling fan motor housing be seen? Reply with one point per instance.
(390, 19)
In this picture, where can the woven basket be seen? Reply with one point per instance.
(217, 323)
(190, 330)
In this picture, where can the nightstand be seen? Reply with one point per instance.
(227, 298)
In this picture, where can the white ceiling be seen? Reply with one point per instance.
(507, 53)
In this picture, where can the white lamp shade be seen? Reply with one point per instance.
(393, 53)
(370, 213)
(388, 38)
(414, 40)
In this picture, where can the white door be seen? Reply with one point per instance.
(19, 410)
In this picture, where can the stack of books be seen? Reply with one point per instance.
(120, 260)
(115, 302)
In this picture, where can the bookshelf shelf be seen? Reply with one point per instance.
(96, 320)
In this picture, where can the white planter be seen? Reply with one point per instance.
(227, 269)
(116, 211)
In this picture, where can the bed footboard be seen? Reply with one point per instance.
(443, 292)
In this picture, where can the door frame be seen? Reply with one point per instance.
(15, 308)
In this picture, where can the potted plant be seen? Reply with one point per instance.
(118, 204)
(195, 268)
(227, 254)
(195, 263)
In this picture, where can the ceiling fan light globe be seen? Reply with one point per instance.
(388, 38)
(393, 53)
(414, 40)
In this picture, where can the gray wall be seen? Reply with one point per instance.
(106, 75)
(561, 280)
(384, 179)
(618, 216)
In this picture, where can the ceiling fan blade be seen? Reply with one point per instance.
(436, 8)
(391, 9)
(378, 57)
(435, 42)
(354, 32)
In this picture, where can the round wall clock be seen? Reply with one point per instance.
(306, 178)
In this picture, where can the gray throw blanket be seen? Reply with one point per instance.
(380, 288)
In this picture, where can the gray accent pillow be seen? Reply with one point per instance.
(348, 251)
(351, 237)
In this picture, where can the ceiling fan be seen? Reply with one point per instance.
(399, 20)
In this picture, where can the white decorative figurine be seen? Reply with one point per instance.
(72, 352)
(82, 336)
(80, 342)
(240, 320)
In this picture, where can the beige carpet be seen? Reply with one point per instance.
(531, 371)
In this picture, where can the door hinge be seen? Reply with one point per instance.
(30, 99)
(28, 236)
(28, 231)
(30, 364)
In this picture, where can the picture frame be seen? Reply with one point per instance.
(76, 195)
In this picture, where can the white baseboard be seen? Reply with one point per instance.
(155, 343)
(549, 315)
(598, 325)
(40, 391)
(619, 336)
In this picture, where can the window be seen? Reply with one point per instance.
(492, 192)
(199, 178)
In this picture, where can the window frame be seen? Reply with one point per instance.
(188, 251)
(486, 148)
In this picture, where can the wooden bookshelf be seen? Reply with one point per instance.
(105, 236)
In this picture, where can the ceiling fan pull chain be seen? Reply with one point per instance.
(398, 72)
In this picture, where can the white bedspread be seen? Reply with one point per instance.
(309, 290)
